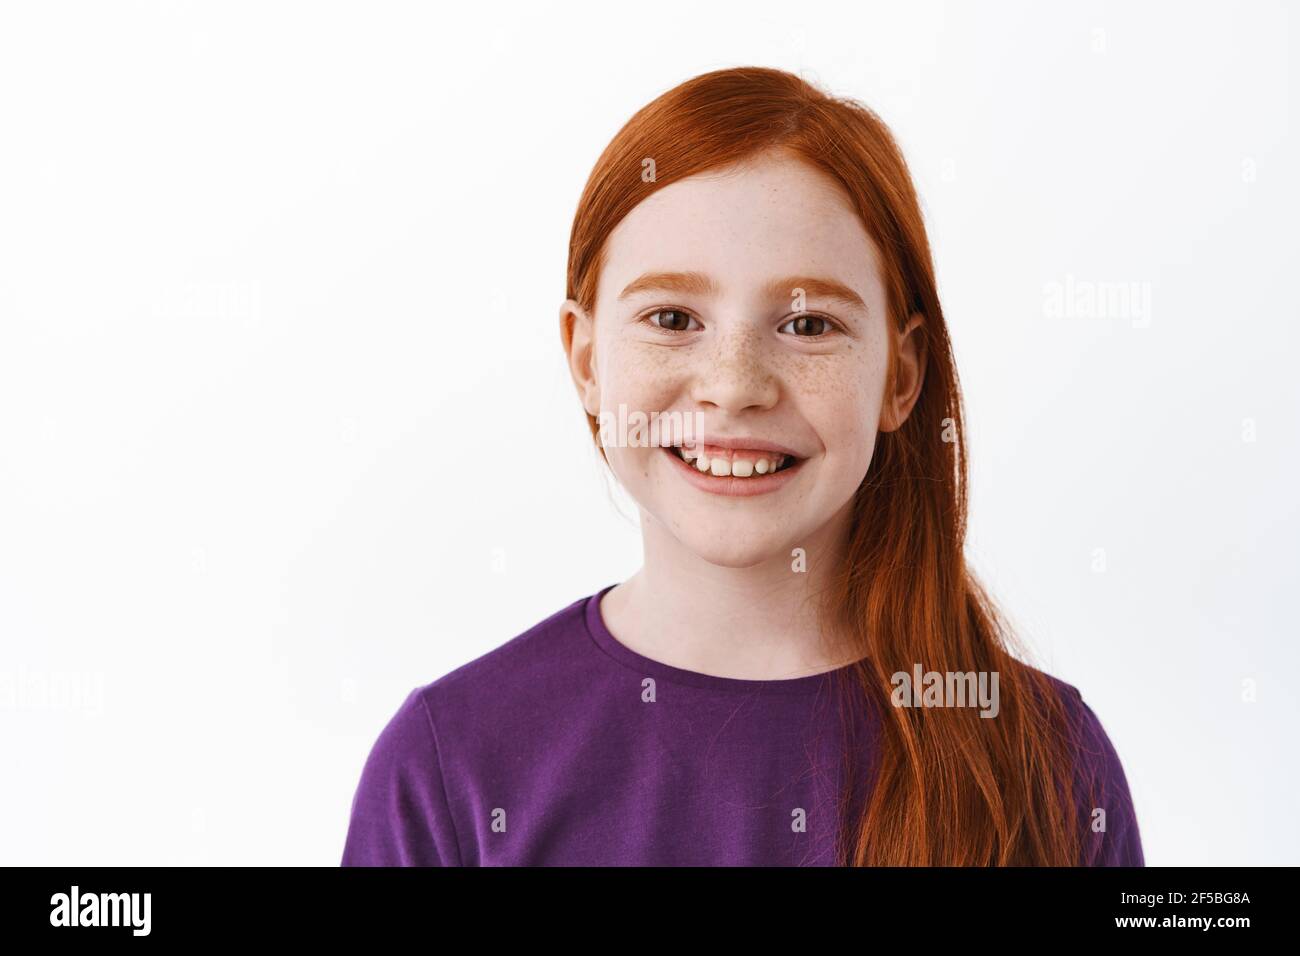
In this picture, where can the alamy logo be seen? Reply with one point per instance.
(946, 689)
(638, 429)
(101, 909)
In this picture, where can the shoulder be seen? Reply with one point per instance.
(1087, 734)
(406, 808)
(524, 666)
(399, 815)
(1101, 785)
(467, 702)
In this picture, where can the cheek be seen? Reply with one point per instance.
(842, 398)
(635, 374)
(848, 430)
(846, 389)
(630, 465)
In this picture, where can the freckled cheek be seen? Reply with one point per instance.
(844, 404)
(641, 378)
(641, 381)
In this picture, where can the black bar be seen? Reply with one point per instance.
(337, 905)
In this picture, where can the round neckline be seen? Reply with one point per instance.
(649, 667)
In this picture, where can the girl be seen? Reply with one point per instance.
(804, 671)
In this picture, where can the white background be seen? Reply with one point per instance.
(285, 428)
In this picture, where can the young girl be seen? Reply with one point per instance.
(804, 671)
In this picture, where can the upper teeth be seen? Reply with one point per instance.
(738, 467)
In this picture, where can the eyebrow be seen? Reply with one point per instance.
(698, 283)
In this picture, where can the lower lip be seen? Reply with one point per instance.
(730, 485)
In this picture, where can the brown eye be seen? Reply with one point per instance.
(810, 326)
(677, 321)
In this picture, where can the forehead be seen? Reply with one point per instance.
(774, 215)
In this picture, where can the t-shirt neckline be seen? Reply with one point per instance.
(648, 667)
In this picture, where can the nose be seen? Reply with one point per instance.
(735, 375)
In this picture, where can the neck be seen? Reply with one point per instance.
(754, 623)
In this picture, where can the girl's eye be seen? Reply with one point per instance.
(810, 326)
(676, 322)
(672, 321)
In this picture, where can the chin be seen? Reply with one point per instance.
(742, 553)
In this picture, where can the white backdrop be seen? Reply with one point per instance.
(285, 428)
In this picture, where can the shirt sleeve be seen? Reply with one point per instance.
(400, 815)
(1104, 787)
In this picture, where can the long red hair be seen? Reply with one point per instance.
(946, 786)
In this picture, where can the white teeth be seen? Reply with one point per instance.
(739, 467)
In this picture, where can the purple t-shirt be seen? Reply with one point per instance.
(565, 747)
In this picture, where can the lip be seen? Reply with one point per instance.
(731, 486)
(742, 443)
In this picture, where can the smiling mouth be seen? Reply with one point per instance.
(736, 464)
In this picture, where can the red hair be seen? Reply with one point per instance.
(947, 786)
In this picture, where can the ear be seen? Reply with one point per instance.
(909, 374)
(578, 335)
